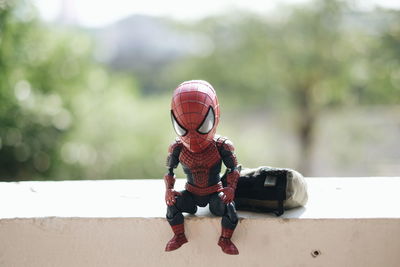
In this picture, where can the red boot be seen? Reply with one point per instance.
(225, 242)
(178, 239)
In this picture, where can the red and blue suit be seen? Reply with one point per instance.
(195, 116)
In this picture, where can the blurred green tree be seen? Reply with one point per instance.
(65, 116)
(41, 70)
(311, 61)
(382, 84)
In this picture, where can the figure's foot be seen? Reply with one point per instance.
(176, 242)
(227, 246)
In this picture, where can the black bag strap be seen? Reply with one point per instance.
(281, 193)
(279, 211)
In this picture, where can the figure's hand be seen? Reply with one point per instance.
(228, 194)
(170, 195)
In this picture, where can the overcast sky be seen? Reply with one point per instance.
(94, 13)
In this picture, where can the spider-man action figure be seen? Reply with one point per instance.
(195, 116)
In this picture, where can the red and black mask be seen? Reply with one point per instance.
(195, 114)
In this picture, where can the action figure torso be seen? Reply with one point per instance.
(202, 169)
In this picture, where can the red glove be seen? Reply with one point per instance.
(170, 195)
(228, 194)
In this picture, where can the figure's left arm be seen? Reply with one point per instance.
(227, 152)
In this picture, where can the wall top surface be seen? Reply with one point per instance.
(334, 198)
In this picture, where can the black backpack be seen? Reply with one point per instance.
(269, 189)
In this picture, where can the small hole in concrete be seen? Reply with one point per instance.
(315, 253)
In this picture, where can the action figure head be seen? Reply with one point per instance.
(195, 114)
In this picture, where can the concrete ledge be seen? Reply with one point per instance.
(349, 222)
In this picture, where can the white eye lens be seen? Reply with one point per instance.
(208, 122)
(178, 129)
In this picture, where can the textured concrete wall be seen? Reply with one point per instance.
(29, 236)
(140, 242)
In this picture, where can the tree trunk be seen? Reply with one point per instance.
(306, 119)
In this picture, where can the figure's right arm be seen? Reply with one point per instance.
(172, 162)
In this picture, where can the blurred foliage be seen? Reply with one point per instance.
(65, 116)
(44, 71)
(41, 68)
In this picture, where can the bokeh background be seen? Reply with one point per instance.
(85, 86)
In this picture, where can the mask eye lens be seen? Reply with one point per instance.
(178, 129)
(208, 123)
